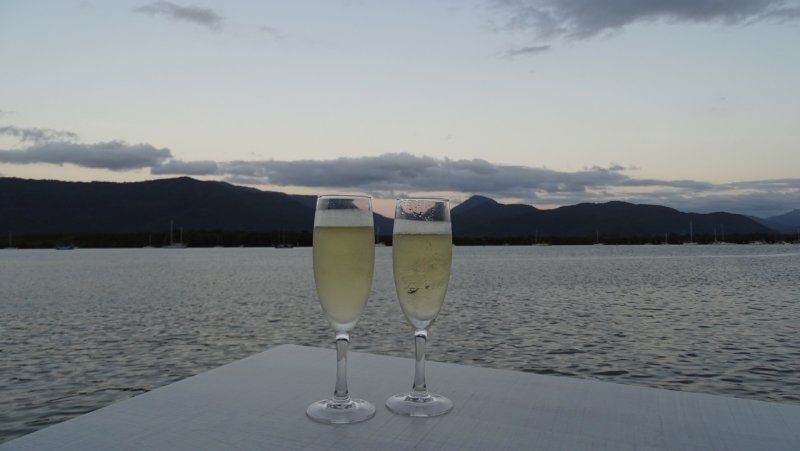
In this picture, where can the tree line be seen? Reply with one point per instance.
(277, 238)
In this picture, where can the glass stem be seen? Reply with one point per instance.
(340, 393)
(420, 388)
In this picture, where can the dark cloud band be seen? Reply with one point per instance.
(112, 155)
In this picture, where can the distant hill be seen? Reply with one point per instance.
(785, 223)
(481, 216)
(52, 207)
(30, 207)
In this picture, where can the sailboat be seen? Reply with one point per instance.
(10, 242)
(283, 244)
(149, 242)
(691, 235)
(723, 236)
(172, 244)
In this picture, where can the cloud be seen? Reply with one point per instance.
(581, 19)
(403, 172)
(271, 31)
(112, 155)
(194, 14)
(786, 14)
(529, 50)
(37, 135)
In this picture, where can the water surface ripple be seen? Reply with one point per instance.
(85, 328)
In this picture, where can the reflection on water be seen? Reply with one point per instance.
(85, 328)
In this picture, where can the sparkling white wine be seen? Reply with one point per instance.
(421, 263)
(344, 258)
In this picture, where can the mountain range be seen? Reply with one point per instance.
(48, 207)
(786, 223)
(482, 216)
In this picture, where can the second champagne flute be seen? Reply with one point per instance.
(421, 257)
(344, 258)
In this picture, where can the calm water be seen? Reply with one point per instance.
(82, 329)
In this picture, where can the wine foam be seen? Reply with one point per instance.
(343, 218)
(412, 227)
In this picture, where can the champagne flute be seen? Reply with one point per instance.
(344, 258)
(421, 256)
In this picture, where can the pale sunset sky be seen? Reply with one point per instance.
(690, 104)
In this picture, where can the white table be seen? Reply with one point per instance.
(259, 403)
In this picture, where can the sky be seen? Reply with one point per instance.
(692, 104)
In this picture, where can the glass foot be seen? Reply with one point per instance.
(329, 411)
(415, 405)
